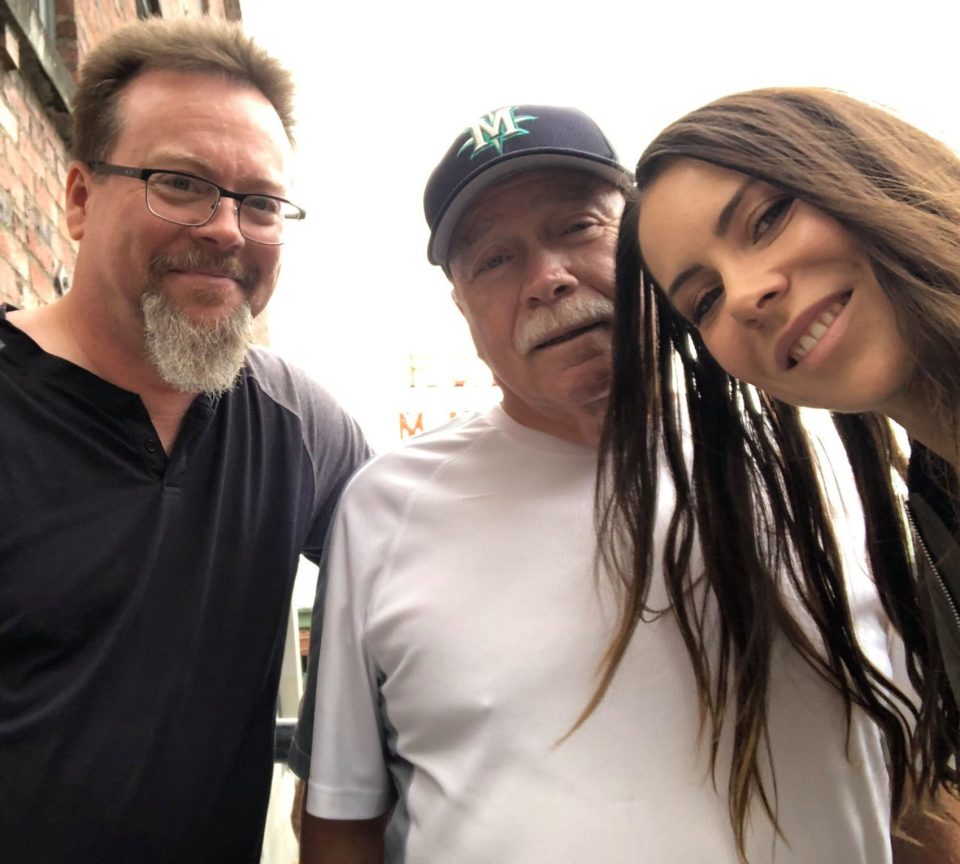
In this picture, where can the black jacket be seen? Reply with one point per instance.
(932, 517)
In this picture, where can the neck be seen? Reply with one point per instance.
(923, 422)
(111, 350)
(935, 438)
(581, 426)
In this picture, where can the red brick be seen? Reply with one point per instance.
(20, 228)
(32, 157)
(10, 125)
(15, 254)
(11, 87)
(7, 178)
(46, 203)
(40, 250)
(51, 154)
(18, 106)
(66, 27)
(9, 284)
(66, 251)
(6, 239)
(41, 281)
(18, 196)
(62, 229)
(15, 161)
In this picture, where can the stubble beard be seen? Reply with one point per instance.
(191, 356)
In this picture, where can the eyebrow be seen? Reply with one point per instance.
(190, 164)
(580, 193)
(473, 235)
(719, 229)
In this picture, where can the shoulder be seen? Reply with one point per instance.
(418, 461)
(286, 384)
(326, 429)
(295, 390)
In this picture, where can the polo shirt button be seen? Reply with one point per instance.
(150, 445)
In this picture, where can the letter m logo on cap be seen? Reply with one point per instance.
(493, 129)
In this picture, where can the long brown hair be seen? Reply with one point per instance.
(749, 493)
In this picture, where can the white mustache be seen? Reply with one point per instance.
(562, 316)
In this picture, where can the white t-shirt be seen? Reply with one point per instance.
(464, 627)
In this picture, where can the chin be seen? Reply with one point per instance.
(593, 387)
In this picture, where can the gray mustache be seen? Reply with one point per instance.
(562, 316)
(224, 265)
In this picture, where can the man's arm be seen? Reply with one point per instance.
(299, 809)
(342, 841)
(937, 837)
(349, 787)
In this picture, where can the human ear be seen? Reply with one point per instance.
(78, 191)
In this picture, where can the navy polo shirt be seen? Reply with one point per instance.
(143, 601)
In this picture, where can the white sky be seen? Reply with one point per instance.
(385, 87)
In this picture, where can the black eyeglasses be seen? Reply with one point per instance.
(186, 199)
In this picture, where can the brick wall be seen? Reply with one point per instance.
(36, 78)
(34, 244)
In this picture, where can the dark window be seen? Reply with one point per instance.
(148, 8)
(47, 10)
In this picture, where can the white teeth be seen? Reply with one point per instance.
(818, 328)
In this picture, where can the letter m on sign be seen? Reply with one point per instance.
(408, 431)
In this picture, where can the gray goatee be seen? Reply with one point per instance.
(190, 356)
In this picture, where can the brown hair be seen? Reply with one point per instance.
(184, 45)
(750, 491)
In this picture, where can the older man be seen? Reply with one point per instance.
(158, 476)
(465, 622)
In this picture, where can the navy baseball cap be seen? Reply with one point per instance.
(503, 142)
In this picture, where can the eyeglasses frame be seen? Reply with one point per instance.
(145, 174)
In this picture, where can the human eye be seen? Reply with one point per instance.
(180, 186)
(262, 208)
(489, 262)
(263, 204)
(771, 216)
(582, 224)
(703, 303)
(579, 226)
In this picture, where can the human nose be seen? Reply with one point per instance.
(548, 277)
(753, 294)
(223, 226)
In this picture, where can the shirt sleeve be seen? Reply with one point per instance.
(336, 448)
(348, 777)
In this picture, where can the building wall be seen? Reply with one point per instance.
(37, 70)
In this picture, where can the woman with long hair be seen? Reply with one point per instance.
(792, 247)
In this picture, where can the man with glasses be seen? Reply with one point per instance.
(159, 476)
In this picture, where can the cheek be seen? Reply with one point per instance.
(733, 353)
(270, 271)
(604, 270)
(268, 264)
